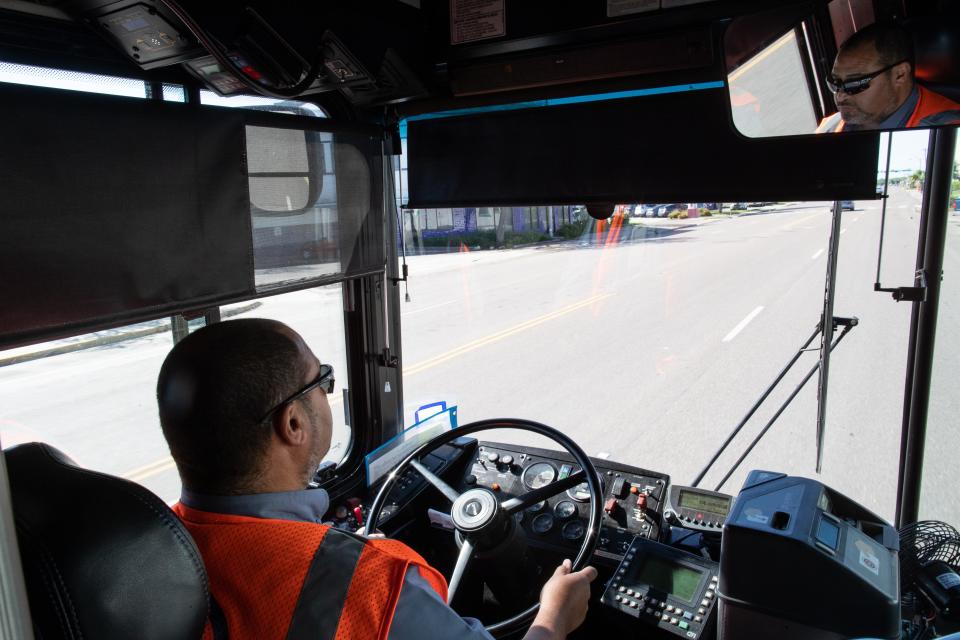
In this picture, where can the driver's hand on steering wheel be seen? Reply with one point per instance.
(563, 602)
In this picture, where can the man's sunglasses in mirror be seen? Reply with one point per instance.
(853, 86)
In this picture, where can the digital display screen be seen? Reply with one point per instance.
(133, 23)
(700, 502)
(828, 534)
(663, 575)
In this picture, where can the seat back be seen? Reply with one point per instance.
(103, 557)
(936, 42)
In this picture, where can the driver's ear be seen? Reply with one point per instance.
(903, 73)
(289, 424)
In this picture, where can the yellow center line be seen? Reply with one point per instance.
(787, 227)
(147, 471)
(500, 335)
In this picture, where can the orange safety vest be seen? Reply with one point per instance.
(290, 580)
(929, 104)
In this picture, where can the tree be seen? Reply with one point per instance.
(916, 179)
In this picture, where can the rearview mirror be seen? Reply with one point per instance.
(285, 169)
(843, 66)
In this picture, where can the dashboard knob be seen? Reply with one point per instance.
(493, 457)
(507, 460)
(471, 479)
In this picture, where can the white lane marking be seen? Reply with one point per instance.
(603, 454)
(743, 323)
(817, 255)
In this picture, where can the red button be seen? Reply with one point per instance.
(642, 501)
(358, 514)
(611, 506)
(634, 490)
(495, 486)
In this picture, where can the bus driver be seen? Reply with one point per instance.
(243, 406)
(874, 86)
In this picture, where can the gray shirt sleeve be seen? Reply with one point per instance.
(421, 613)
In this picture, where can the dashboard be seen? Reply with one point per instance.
(632, 497)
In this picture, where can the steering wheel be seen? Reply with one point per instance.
(479, 516)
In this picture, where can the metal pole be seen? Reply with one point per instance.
(914, 325)
(938, 183)
(753, 409)
(785, 404)
(828, 327)
(883, 208)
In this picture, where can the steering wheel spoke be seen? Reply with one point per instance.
(466, 553)
(449, 492)
(514, 505)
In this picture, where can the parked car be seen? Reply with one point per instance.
(664, 210)
(846, 205)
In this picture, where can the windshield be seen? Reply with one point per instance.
(649, 336)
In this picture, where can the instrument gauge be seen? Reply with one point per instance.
(539, 475)
(536, 508)
(573, 530)
(565, 510)
(581, 492)
(542, 524)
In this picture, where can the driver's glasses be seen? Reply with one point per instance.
(853, 86)
(324, 380)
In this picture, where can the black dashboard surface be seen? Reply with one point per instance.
(632, 497)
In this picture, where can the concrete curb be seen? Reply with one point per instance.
(107, 340)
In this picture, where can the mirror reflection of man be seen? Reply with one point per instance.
(243, 406)
(874, 86)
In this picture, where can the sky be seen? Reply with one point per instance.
(909, 151)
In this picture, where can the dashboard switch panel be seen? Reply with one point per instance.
(559, 523)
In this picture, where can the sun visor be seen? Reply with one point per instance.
(120, 210)
(676, 145)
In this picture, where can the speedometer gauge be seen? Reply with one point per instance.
(539, 475)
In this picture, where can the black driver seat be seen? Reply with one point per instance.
(103, 557)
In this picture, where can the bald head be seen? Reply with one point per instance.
(888, 43)
(213, 390)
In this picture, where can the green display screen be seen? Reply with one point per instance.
(663, 575)
(701, 502)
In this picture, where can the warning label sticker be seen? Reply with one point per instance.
(870, 562)
(472, 20)
(626, 7)
(948, 580)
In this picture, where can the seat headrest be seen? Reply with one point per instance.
(103, 557)
(936, 42)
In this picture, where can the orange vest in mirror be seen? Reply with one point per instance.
(929, 104)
